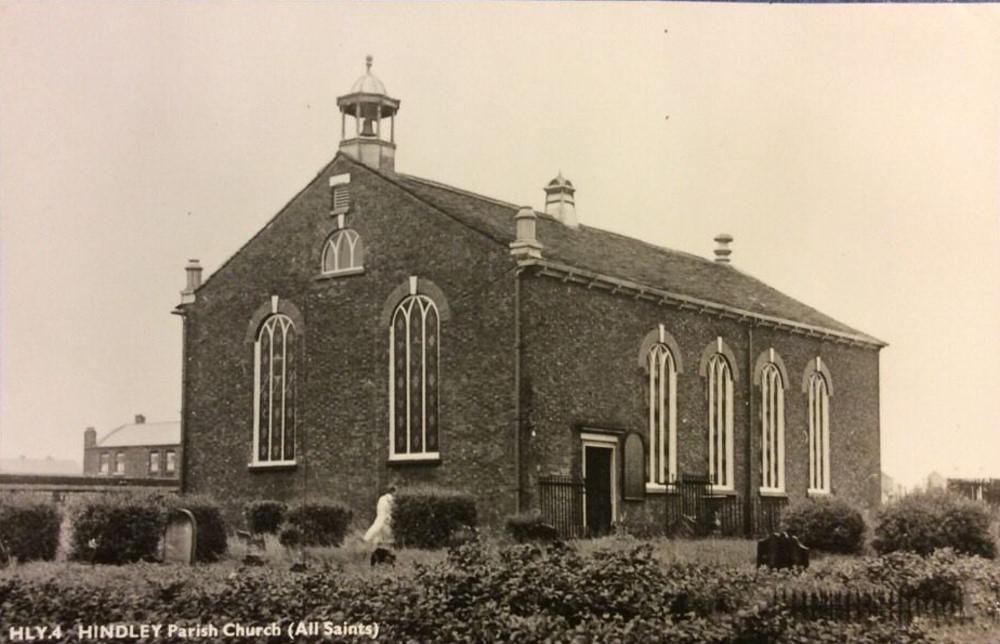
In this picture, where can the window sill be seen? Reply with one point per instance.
(347, 272)
(818, 492)
(428, 458)
(660, 488)
(772, 493)
(272, 465)
(717, 490)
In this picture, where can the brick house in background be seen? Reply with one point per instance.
(134, 450)
(387, 328)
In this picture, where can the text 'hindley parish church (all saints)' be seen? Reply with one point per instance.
(383, 327)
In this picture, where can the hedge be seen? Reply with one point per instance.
(826, 523)
(264, 517)
(29, 528)
(428, 517)
(317, 523)
(117, 528)
(522, 593)
(926, 521)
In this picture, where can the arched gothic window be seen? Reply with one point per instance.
(819, 434)
(343, 252)
(772, 429)
(661, 390)
(274, 391)
(720, 422)
(414, 334)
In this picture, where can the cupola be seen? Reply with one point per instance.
(559, 201)
(364, 136)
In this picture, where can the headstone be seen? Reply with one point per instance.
(180, 538)
(782, 550)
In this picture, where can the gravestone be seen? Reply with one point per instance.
(782, 550)
(180, 538)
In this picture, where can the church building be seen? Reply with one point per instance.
(385, 328)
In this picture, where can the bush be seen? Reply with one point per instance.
(427, 517)
(210, 536)
(320, 523)
(264, 517)
(117, 528)
(826, 523)
(926, 521)
(29, 528)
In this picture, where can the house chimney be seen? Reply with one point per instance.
(559, 201)
(139, 419)
(722, 252)
(193, 270)
(90, 437)
(525, 246)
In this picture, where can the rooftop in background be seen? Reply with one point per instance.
(134, 434)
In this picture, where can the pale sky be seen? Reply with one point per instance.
(851, 150)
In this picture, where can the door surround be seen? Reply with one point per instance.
(603, 441)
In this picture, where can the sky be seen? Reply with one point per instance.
(852, 151)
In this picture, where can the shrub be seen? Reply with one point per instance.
(320, 523)
(117, 528)
(826, 523)
(210, 535)
(29, 528)
(925, 521)
(264, 517)
(427, 517)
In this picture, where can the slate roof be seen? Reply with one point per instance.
(626, 258)
(141, 434)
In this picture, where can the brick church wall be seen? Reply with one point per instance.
(581, 369)
(342, 408)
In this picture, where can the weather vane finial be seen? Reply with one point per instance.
(368, 62)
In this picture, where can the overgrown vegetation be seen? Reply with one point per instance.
(926, 521)
(29, 528)
(428, 517)
(826, 523)
(525, 593)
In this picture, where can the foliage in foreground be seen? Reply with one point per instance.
(524, 593)
(926, 521)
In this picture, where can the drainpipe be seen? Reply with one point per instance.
(517, 389)
(748, 518)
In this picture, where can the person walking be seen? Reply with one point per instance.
(381, 529)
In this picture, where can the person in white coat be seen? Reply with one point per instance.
(381, 529)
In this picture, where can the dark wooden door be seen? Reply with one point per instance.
(598, 488)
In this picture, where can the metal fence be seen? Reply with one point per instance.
(561, 501)
(845, 605)
(691, 509)
(694, 511)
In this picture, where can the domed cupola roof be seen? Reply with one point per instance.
(368, 84)
(367, 107)
(560, 182)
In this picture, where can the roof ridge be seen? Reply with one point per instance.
(461, 191)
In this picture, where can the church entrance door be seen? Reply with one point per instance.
(599, 484)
